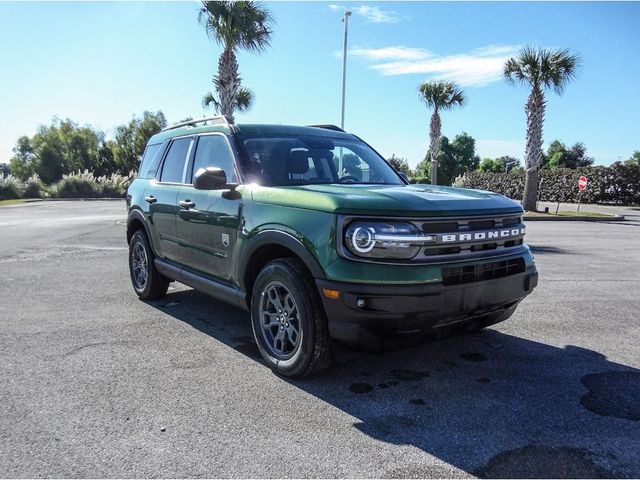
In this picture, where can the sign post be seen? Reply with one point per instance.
(582, 185)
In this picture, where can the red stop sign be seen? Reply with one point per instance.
(582, 183)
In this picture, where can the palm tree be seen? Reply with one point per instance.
(234, 25)
(242, 102)
(439, 95)
(540, 69)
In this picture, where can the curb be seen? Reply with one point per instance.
(552, 218)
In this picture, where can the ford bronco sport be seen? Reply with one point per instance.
(314, 233)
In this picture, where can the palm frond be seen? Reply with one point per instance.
(540, 67)
(244, 99)
(209, 100)
(237, 24)
(441, 95)
(242, 103)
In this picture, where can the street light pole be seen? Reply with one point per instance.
(345, 19)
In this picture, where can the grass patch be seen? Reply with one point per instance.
(13, 201)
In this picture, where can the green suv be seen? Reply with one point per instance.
(314, 233)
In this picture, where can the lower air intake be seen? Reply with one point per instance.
(482, 271)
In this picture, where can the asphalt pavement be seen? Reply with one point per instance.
(96, 383)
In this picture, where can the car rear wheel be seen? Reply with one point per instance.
(147, 282)
(288, 320)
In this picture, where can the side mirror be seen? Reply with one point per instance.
(210, 178)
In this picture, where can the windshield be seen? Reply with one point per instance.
(305, 160)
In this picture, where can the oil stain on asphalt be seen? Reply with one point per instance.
(539, 461)
(409, 375)
(361, 388)
(473, 357)
(613, 394)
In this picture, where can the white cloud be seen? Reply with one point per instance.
(390, 53)
(478, 67)
(376, 14)
(371, 13)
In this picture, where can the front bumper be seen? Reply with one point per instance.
(365, 314)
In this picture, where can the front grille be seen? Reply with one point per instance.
(472, 226)
(482, 271)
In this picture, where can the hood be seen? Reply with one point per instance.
(394, 200)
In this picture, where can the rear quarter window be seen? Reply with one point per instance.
(150, 161)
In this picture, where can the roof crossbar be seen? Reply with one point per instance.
(218, 119)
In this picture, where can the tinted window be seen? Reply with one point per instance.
(150, 160)
(174, 162)
(214, 151)
(316, 160)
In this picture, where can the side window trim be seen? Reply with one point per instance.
(188, 160)
(164, 158)
(190, 172)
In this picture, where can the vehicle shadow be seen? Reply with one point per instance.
(549, 249)
(490, 404)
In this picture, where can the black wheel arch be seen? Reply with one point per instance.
(135, 221)
(269, 245)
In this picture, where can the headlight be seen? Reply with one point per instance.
(385, 239)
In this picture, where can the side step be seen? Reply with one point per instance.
(204, 284)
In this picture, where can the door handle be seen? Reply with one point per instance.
(151, 199)
(186, 204)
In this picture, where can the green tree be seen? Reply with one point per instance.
(499, 165)
(4, 169)
(131, 139)
(454, 159)
(491, 165)
(400, 164)
(24, 163)
(540, 69)
(234, 25)
(59, 148)
(634, 159)
(438, 96)
(559, 156)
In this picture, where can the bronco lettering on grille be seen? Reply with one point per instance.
(477, 236)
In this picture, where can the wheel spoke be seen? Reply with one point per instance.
(292, 333)
(289, 304)
(139, 266)
(273, 319)
(279, 317)
(279, 342)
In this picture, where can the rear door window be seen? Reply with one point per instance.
(174, 162)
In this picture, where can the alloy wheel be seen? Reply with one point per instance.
(280, 320)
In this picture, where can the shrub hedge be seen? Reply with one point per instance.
(617, 184)
(76, 185)
(10, 187)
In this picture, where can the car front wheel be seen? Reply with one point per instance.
(288, 320)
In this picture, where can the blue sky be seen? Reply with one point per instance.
(100, 63)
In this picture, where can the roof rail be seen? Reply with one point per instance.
(219, 119)
(328, 127)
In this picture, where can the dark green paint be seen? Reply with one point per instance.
(307, 213)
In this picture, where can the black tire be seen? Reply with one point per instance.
(311, 352)
(154, 285)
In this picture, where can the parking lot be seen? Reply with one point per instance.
(96, 383)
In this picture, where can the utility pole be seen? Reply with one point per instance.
(345, 20)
